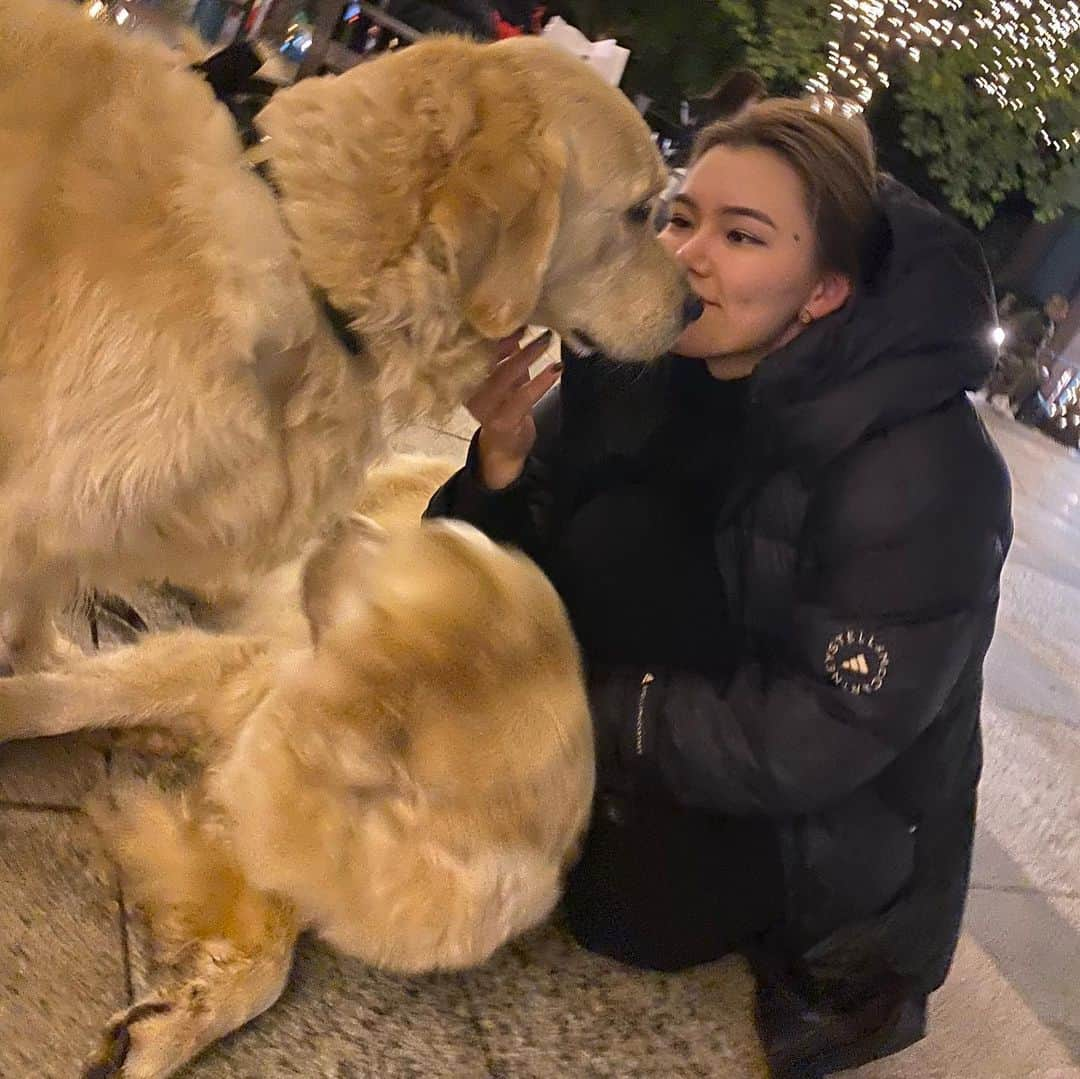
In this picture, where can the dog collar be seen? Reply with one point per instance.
(348, 338)
(227, 72)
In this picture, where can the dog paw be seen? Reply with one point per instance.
(122, 1053)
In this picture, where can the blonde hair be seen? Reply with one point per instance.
(833, 156)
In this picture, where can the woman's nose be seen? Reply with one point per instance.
(691, 256)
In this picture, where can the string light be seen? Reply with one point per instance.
(1036, 34)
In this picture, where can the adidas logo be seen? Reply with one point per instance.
(856, 662)
(856, 665)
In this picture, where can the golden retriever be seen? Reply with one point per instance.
(410, 784)
(175, 404)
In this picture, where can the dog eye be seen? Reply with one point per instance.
(639, 214)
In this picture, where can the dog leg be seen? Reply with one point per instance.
(33, 586)
(172, 680)
(228, 944)
(226, 984)
(30, 637)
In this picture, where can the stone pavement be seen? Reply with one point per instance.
(71, 954)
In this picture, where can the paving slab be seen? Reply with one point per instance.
(1030, 796)
(61, 956)
(1035, 941)
(429, 440)
(50, 771)
(341, 1020)
(992, 867)
(979, 1028)
(460, 424)
(547, 1008)
(1019, 679)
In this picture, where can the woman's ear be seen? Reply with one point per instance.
(829, 295)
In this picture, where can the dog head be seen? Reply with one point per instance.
(450, 192)
(607, 284)
(450, 658)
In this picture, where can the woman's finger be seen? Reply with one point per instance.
(524, 399)
(508, 345)
(509, 375)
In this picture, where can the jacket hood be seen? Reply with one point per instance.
(913, 336)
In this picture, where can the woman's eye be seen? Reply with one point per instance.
(679, 222)
(737, 236)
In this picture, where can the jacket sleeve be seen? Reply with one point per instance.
(599, 413)
(523, 513)
(858, 674)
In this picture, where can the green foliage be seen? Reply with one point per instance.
(678, 49)
(979, 152)
(785, 40)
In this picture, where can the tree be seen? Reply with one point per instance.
(982, 146)
(677, 50)
(986, 90)
(785, 41)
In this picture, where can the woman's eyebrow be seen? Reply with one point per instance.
(729, 211)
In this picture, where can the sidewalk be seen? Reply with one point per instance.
(70, 954)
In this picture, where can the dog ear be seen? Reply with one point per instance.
(334, 575)
(498, 214)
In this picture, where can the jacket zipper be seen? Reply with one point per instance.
(639, 732)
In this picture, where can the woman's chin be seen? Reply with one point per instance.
(694, 345)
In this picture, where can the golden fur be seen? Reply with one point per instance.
(174, 404)
(395, 494)
(409, 784)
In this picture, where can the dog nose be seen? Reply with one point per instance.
(692, 309)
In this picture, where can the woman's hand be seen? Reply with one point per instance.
(503, 407)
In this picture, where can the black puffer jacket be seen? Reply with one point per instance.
(860, 542)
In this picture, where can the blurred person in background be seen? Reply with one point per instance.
(1026, 330)
(477, 18)
(520, 17)
(780, 548)
(736, 92)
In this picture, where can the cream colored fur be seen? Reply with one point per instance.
(174, 404)
(410, 786)
(395, 494)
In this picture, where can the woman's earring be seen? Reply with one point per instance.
(805, 317)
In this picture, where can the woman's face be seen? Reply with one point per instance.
(741, 229)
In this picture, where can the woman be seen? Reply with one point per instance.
(780, 548)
